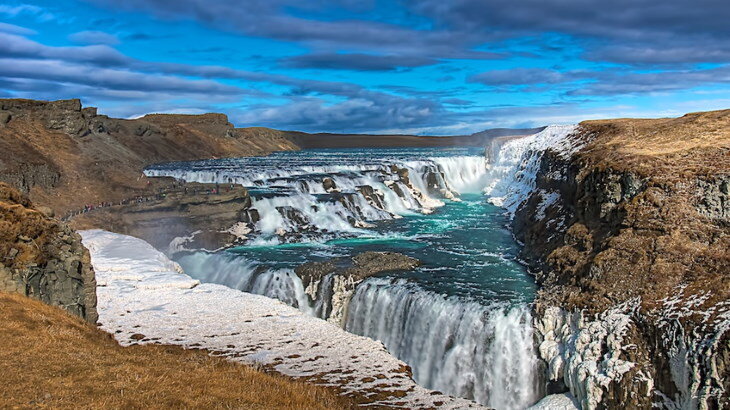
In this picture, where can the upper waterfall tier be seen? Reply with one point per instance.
(304, 196)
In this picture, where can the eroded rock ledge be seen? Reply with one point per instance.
(334, 281)
(629, 239)
(182, 217)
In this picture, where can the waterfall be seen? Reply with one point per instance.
(247, 276)
(293, 204)
(458, 347)
(511, 178)
(464, 173)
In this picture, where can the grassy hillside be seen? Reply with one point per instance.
(693, 145)
(50, 359)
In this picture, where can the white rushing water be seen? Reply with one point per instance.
(247, 276)
(511, 178)
(479, 351)
(484, 353)
(295, 204)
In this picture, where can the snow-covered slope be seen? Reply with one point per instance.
(146, 298)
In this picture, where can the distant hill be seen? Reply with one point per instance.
(331, 140)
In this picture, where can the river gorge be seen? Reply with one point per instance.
(551, 267)
(462, 319)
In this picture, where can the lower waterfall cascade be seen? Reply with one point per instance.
(484, 353)
(462, 319)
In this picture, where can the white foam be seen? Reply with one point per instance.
(454, 346)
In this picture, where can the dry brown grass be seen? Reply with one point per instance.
(696, 144)
(667, 135)
(50, 359)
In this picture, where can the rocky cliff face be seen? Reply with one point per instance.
(629, 238)
(43, 258)
(183, 217)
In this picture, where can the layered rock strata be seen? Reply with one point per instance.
(66, 156)
(334, 282)
(189, 217)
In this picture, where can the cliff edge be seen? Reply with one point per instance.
(66, 156)
(629, 238)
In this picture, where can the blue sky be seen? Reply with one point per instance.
(403, 66)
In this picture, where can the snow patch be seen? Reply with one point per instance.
(557, 402)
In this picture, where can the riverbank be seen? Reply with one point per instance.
(626, 225)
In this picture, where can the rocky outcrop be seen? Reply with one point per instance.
(629, 239)
(43, 258)
(188, 217)
(334, 282)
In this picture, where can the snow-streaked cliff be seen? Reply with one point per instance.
(629, 244)
(513, 174)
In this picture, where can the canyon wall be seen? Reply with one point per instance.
(68, 159)
(181, 217)
(628, 236)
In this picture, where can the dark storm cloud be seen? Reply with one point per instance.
(627, 31)
(626, 19)
(655, 31)
(353, 115)
(356, 61)
(612, 83)
(676, 54)
(142, 36)
(604, 82)
(271, 19)
(457, 101)
(17, 46)
(33, 69)
(60, 71)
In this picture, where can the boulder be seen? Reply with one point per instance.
(43, 258)
(329, 184)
